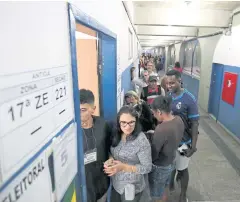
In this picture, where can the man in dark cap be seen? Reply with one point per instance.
(152, 91)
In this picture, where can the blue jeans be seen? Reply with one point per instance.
(159, 179)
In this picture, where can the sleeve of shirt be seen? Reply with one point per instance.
(144, 156)
(137, 82)
(162, 91)
(193, 108)
(157, 143)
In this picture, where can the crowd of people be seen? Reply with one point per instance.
(148, 148)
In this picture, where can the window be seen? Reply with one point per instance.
(196, 69)
(190, 57)
(130, 44)
(171, 56)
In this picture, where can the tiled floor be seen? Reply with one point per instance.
(212, 176)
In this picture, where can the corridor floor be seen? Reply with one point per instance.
(215, 167)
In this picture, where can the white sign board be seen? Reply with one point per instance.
(36, 103)
(65, 164)
(34, 179)
(32, 111)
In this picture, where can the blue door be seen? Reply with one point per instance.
(215, 89)
(107, 69)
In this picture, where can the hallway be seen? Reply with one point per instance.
(214, 168)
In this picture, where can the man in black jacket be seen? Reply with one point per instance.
(96, 135)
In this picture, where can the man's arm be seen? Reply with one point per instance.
(194, 134)
(158, 142)
(193, 116)
(138, 82)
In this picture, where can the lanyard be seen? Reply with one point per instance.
(95, 141)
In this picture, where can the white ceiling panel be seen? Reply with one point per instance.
(166, 30)
(155, 43)
(214, 4)
(181, 17)
(163, 38)
(163, 22)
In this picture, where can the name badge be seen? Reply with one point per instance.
(90, 156)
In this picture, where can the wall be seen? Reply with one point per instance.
(200, 87)
(207, 46)
(112, 15)
(177, 52)
(227, 53)
(35, 56)
(166, 58)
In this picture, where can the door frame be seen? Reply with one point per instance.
(211, 91)
(77, 16)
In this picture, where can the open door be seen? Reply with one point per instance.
(87, 61)
(108, 71)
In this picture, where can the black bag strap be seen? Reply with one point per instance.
(149, 135)
(159, 90)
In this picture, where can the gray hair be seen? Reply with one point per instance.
(142, 74)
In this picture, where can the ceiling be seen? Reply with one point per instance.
(164, 22)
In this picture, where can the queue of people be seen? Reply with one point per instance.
(146, 148)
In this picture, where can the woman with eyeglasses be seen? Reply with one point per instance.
(131, 159)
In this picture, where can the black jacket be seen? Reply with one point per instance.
(145, 92)
(145, 116)
(96, 180)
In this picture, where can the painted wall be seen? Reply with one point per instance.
(200, 87)
(166, 57)
(112, 15)
(227, 53)
(207, 46)
(35, 53)
(191, 84)
(229, 115)
(228, 47)
(177, 53)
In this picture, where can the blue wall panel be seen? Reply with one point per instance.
(109, 80)
(215, 89)
(126, 79)
(229, 115)
(191, 84)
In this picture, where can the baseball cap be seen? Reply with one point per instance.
(153, 78)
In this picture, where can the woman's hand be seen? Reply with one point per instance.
(109, 162)
(115, 168)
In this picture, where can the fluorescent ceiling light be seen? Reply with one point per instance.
(81, 35)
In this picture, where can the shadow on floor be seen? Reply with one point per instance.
(193, 195)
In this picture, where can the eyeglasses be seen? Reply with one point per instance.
(124, 123)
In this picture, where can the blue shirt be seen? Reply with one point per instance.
(185, 105)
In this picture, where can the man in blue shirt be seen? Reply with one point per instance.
(184, 105)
